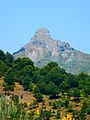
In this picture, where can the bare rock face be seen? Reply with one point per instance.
(43, 49)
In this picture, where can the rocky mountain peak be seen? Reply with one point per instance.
(43, 49)
(42, 34)
(42, 31)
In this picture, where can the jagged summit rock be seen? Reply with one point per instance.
(42, 32)
(43, 49)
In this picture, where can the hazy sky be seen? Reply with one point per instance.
(67, 20)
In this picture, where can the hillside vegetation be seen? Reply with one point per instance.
(49, 93)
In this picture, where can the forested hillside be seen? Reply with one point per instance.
(56, 93)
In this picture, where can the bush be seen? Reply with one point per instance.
(76, 94)
(11, 87)
(66, 103)
(9, 77)
(8, 87)
(54, 105)
(88, 111)
(39, 97)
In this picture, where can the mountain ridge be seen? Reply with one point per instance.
(42, 48)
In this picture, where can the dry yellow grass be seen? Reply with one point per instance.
(1, 86)
(19, 91)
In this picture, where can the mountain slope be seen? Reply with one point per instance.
(43, 49)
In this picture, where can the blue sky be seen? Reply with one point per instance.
(67, 20)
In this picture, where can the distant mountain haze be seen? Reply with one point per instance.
(42, 49)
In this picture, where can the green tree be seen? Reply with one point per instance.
(82, 76)
(3, 67)
(56, 75)
(9, 77)
(52, 89)
(76, 94)
(20, 63)
(42, 87)
(64, 86)
(66, 103)
(73, 81)
(36, 90)
(54, 105)
(2, 56)
(10, 58)
(44, 71)
(39, 97)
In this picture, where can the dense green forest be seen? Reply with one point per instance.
(51, 80)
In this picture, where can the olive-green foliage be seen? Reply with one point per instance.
(88, 111)
(10, 58)
(44, 71)
(3, 68)
(84, 83)
(24, 71)
(73, 82)
(76, 93)
(64, 86)
(66, 103)
(56, 75)
(54, 105)
(37, 77)
(58, 113)
(5, 61)
(48, 89)
(83, 110)
(2, 55)
(39, 97)
(9, 77)
(20, 63)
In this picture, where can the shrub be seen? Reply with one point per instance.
(39, 97)
(54, 105)
(9, 77)
(66, 103)
(88, 111)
